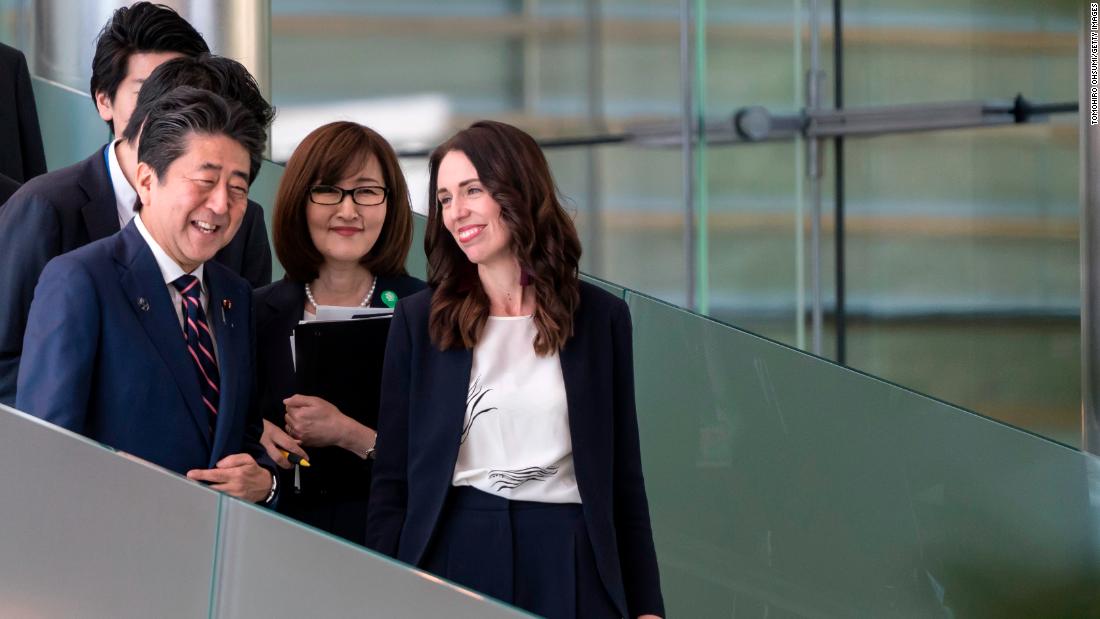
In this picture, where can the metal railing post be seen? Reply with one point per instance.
(687, 128)
(1089, 84)
(814, 166)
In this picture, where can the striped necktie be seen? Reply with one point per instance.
(200, 343)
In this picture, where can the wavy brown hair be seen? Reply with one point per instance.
(514, 171)
(324, 157)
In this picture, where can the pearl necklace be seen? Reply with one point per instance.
(366, 299)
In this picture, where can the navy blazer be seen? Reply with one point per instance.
(420, 420)
(65, 209)
(104, 356)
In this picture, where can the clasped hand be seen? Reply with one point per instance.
(314, 421)
(237, 475)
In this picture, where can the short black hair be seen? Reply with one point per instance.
(186, 111)
(140, 28)
(222, 76)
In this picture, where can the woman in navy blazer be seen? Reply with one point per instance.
(342, 230)
(568, 535)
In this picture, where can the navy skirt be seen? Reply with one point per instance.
(536, 556)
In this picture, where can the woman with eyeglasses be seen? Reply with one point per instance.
(508, 457)
(342, 230)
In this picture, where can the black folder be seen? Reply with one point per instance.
(341, 361)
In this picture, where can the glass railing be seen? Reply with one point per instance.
(780, 485)
(789, 486)
(88, 532)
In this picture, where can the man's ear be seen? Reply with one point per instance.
(104, 106)
(146, 177)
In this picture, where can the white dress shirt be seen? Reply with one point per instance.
(171, 271)
(125, 195)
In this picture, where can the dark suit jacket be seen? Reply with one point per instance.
(21, 154)
(8, 186)
(420, 420)
(104, 357)
(278, 309)
(65, 209)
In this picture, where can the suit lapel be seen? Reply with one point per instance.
(589, 452)
(101, 212)
(226, 313)
(575, 375)
(451, 391)
(148, 297)
(442, 431)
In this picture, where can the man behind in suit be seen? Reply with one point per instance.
(103, 352)
(65, 209)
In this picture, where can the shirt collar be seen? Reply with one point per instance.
(168, 267)
(125, 195)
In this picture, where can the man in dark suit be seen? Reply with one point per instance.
(103, 353)
(21, 157)
(68, 208)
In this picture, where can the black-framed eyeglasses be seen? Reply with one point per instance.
(329, 195)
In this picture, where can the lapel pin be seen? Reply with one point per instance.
(226, 306)
(389, 298)
(143, 304)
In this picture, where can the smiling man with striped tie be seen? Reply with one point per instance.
(140, 340)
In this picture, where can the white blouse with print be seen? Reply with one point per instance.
(515, 439)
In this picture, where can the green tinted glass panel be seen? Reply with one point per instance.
(552, 68)
(625, 201)
(962, 247)
(71, 128)
(965, 285)
(906, 51)
(788, 485)
(752, 200)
